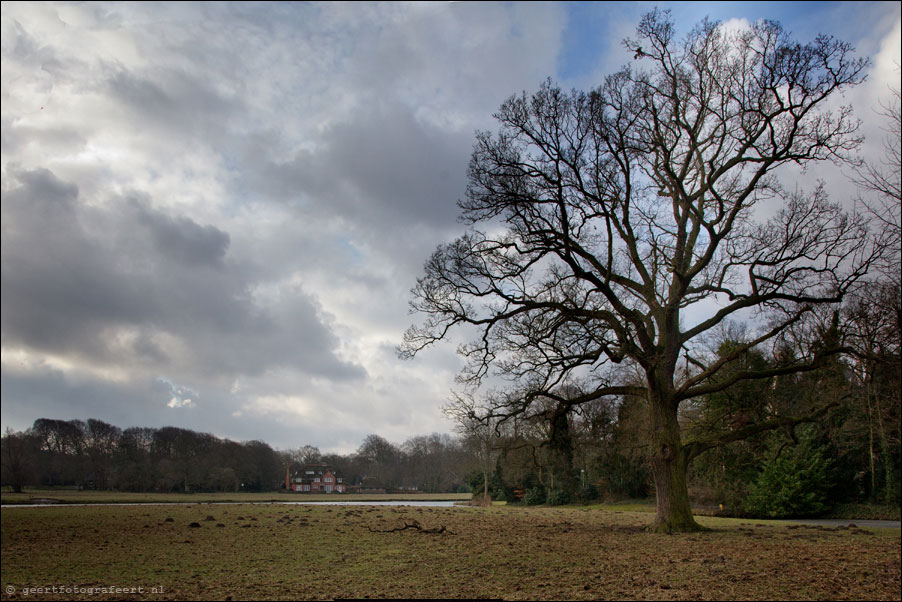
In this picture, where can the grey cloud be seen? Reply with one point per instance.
(38, 66)
(51, 293)
(183, 105)
(411, 170)
(50, 194)
(458, 61)
(384, 181)
(31, 53)
(17, 137)
(48, 394)
(75, 276)
(182, 239)
(384, 168)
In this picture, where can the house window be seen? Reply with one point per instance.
(316, 480)
(328, 479)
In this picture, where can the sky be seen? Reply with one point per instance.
(213, 213)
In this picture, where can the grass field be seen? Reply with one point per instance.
(204, 551)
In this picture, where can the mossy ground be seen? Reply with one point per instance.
(304, 552)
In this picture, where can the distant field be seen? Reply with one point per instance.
(114, 497)
(321, 552)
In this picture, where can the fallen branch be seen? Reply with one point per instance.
(415, 525)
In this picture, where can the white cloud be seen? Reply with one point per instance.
(175, 402)
(735, 25)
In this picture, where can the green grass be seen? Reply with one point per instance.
(321, 552)
(840, 511)
(865, 511)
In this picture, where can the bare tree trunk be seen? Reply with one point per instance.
(669, 467)
(867, 395)
(889, 484)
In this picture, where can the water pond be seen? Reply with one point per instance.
(420, 503)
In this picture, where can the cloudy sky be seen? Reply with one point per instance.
(212, 213)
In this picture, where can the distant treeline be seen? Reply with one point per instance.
(93, 454)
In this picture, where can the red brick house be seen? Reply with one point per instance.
(314, 478)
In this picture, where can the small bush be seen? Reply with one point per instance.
(534, 496)
(588, 494)
(500, 495)
(558, 498)
(480, 500)
(476, 480)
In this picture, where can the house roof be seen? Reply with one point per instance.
(310, 472)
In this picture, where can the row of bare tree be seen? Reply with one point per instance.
(93, 454)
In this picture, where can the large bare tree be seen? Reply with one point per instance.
(622, 225)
